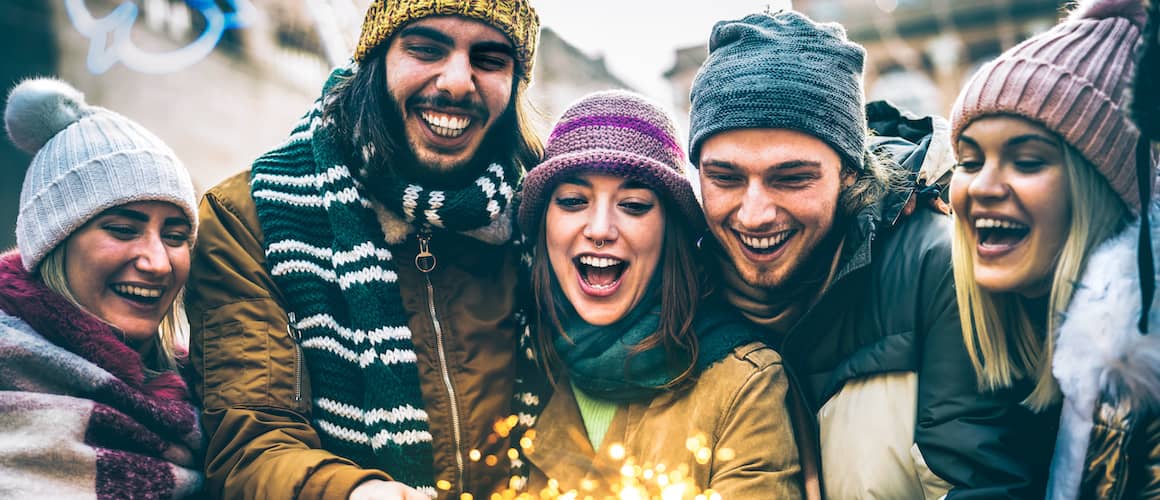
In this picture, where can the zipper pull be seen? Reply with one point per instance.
(425, 260)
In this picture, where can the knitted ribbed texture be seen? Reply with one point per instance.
(1074, 80)
(596, 413)
(514, 18)
(616, 133)
(89, 160)
(326, 251)
(781, 71)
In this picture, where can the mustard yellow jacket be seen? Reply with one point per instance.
(729, 432)
(255, 390)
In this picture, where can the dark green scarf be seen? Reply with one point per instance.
(600, 359)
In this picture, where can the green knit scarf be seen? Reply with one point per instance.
(327, 253)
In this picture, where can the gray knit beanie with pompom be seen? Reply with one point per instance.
(86, 160)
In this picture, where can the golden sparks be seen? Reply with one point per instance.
(616, 451)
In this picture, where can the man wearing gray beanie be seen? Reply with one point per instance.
(829, 234)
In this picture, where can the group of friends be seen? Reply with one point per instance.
(386, 307)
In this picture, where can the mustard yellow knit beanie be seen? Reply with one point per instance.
(514, 18)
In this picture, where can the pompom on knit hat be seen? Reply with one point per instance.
(514, 18)
(781, 71)
(618, 133)
(1073, 80)
(86, 160)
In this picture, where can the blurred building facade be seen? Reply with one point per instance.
(919, 52)
(225, 108)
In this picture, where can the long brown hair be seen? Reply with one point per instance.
(683, 285)
(364, 112)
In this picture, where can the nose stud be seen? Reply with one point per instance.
(598, 243)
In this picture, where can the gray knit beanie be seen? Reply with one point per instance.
(86, 160)
(781, 71)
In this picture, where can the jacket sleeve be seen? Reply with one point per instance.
(985, 444)
(756, 455)
(248, 370)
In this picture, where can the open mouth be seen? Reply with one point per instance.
(600, 273)
(766, 245)
(446, 125)
(142, 295)
(1000, 233)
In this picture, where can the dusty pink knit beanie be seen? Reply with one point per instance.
(1074, 80)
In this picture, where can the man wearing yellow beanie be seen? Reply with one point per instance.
(356, 328)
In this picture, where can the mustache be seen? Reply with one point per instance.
(470, 105)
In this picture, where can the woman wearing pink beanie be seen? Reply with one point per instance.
(1045, 249)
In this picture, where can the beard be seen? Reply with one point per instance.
(401, 161)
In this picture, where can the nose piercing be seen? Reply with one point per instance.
(598, 243)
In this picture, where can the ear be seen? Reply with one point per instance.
(849, 177)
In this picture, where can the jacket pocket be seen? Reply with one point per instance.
(252, 363)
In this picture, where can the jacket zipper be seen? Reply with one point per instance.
(297, 338)
(424, 239)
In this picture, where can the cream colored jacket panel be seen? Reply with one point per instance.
(867, 441)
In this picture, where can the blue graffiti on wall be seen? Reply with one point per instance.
(110, 41)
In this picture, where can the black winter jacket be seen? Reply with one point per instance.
(887, 327)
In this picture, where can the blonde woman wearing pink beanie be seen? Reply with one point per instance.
(1048, 291)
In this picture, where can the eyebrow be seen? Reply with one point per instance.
(425, 32)
(143, 217)
(577, 181)
(177, 221)
(441, 37)
(627, 184)
(785, 165)
(128, 214)
(1015, 141)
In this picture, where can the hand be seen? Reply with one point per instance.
(377, 489)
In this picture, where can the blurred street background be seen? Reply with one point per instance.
(222, 81)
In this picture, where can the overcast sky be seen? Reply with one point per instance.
(638, 37)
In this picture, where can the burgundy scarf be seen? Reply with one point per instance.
(78, 414)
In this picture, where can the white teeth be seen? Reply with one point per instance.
(993, 223)
(591, 261)
(766, 242)
(151, 293)
(446, 125)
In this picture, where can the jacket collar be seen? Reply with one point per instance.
(1100, 357)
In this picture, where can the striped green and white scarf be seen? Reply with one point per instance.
(326, 250)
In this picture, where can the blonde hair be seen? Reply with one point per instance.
(997, 329)
(160, 355)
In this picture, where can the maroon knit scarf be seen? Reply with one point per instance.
(76, 403)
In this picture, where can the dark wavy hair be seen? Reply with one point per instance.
(683, 285)
(364, 111)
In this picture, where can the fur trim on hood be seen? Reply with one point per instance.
(1099, 354)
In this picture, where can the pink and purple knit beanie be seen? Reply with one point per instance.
(616, 133)
(1074, 80)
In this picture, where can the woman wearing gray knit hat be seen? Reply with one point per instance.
(650, 376)
(1048, 294)
(87, 322)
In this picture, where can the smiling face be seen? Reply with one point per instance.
(451, 79)
(627, 220)
(1010, 194)
(127, 264)
(770, 198)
